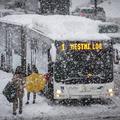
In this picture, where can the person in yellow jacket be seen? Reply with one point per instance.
(35, 70)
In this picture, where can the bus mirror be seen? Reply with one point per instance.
(116, 56)
(53, 53)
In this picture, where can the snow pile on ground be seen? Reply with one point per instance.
(29, 111)
(112, 8)
(43, 108)
(5, 107)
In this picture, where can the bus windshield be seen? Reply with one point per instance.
(84, 66)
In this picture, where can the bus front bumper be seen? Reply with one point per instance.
(108, 94)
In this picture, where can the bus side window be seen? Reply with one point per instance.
(50, 63)
(116, 56)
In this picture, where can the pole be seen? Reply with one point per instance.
(95, 7)
(23, 50)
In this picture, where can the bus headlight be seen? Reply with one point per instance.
(58, 92)
(110, 92)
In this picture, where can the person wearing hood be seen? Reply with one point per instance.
(19, 82)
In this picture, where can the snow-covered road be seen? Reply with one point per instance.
(44, 110)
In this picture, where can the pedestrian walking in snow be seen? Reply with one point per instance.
(19, 82)
(2, 62)
(29, 71)
(35, 70)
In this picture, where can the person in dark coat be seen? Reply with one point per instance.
(19, 82)
(29, 71)
(35, 70)
(2, 61)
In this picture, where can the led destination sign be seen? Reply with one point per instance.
(83, 46)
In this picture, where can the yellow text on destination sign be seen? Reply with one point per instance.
(85, 46)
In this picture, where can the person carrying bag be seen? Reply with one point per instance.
(14, 90)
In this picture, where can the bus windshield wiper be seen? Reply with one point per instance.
(71, 79)
(79, 78)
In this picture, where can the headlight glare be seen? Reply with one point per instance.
(110, 90)
(58, 92)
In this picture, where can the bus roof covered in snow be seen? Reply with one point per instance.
(59, 27)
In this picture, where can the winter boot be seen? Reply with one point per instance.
(14, 113)
(33, 101)
(27, 103)
(20, 112)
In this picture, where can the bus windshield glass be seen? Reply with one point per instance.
(83, 63)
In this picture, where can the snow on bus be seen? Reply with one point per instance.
(72, 28)
(77, 57)
(81, 59)
(17, 27)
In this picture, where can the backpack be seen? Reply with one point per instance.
(10, 91)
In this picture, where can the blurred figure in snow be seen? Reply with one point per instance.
(35, 70)
(19, 82)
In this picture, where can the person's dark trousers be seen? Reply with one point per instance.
(15, 106)
(20, 105)
(34, 97)
(28, 97)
